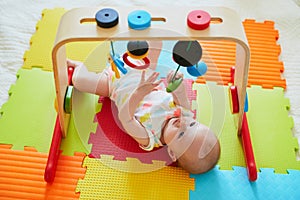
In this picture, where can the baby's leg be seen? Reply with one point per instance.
(90, 82)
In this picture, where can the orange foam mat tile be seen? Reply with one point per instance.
(265, 68)
(22, 175)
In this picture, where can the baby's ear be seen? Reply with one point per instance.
(172, 155)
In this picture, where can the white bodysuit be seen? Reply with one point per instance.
(153, 110)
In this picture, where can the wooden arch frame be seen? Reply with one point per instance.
(75, 26)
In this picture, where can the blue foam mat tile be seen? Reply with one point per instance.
(234, 184)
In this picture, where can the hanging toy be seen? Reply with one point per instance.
(197, 70)
(187, 54)
(116, 63)
(173, 85)
(137, 50)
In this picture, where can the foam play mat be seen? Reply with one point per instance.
(99, 161)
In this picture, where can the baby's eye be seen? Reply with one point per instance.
(192, 124)
(180, 134)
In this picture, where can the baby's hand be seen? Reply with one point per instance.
(170, 75)
(178, 91)
(147, 86)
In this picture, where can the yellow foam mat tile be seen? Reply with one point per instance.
(41, 44)
(42, 41)
(111, 179)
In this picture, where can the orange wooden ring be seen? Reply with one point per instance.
(137, 57)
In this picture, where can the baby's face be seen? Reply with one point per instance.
(186, 136)
(176, 127)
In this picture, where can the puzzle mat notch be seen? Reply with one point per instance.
(103, 182)
(22, 175)
(233, 184)
(270, 128)
(29, 114)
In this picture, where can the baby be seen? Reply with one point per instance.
(152, 116)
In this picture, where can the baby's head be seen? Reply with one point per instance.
(193, 145)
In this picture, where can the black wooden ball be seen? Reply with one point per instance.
(137, 48)
(187, 53)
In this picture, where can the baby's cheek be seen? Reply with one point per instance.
(170, 136)
(167, 137)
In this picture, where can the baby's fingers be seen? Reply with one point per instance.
(143, 76)
(179, 75)
(156, 83)
(169, 76)
(153, 77)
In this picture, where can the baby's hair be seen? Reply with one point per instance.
(199, 166)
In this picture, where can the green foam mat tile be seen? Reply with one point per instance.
(213, 110)
(28, 118)
(270, 126)
(110, 179)
(29, 115)
(271, 129)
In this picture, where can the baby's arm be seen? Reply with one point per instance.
(180, 96)
(154, 52)
(126, 112)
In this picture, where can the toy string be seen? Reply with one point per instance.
(187, 49)
(112, 48)
(175, 73)
(189, 46)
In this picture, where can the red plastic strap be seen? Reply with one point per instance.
(234, 99)
(248, 150)
(53, 153)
